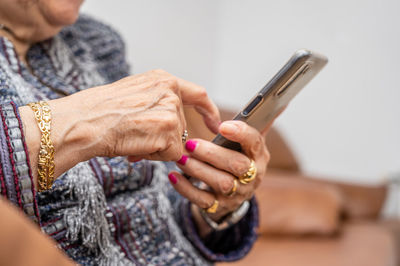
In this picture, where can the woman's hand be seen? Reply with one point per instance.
(142, 115)
(218, 167)
(139, 116)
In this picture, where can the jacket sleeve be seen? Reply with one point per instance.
(16, 183)
(230, 244)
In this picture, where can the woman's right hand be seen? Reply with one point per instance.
(140, 116)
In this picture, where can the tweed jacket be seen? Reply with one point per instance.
(105, 211)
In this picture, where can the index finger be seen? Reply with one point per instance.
(197, 96)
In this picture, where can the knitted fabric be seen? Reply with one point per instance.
(106, 211)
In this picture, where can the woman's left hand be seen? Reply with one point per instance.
(219, 167)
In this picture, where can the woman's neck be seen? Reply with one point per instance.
(21, 47)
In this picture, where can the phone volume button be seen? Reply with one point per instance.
(251, 106)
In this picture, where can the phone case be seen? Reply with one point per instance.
(302, 67)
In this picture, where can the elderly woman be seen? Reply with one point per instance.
(80, 139)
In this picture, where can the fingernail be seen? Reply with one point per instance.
(228, 128)
(172, 178)
(182, 160)
(191, 145)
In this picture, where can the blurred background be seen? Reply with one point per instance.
(344, 124)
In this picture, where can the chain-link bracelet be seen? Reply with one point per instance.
(46, 165)
(232, 219)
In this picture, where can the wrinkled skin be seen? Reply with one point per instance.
(140, 116)
(218, 167)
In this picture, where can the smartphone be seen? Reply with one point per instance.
(302, 67)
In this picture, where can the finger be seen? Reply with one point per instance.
(183, 120)
(176, 101)
(173, 148)
(196, 95)
(201, 198)
(228, 160)
(174, 87)
(221, 182)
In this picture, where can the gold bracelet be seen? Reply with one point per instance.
(46, 165)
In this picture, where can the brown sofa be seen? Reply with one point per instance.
(362, 243)
(303, 224)
(306, 221)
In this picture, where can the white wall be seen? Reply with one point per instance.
(345, 123)
(175, 35)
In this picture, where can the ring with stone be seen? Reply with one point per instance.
(185, 136)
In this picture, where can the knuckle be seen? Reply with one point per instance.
(158, 71)
(159, 146)
(176, 101)
(202, 202)
(170, 83)
(225, 185)
(257, 145)
(258, 141)
(202, 93)
(176, 154)
(239, 165)
(169, 151)
(169, 121)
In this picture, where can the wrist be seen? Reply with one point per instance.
(72, 134)
(71, 142)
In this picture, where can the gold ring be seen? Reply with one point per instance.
(234, 188)
(250, 175)
(213, 208)
(185, 136)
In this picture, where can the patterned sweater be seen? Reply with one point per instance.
(106, 211)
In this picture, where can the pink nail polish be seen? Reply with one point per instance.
(182, 160)
(173, 178)
(191, 145)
